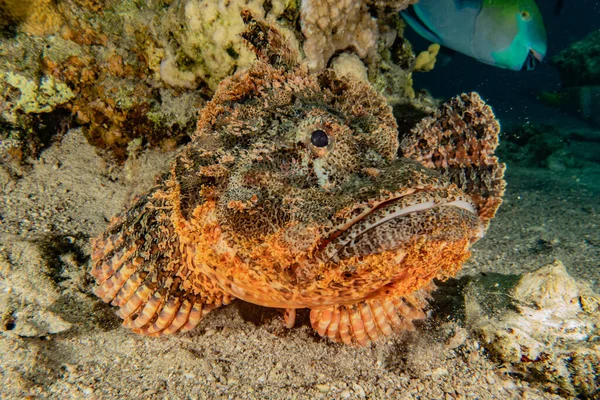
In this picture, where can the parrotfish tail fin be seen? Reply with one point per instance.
(267, 42)
(141, 266)
(368, 320)
(459, 140)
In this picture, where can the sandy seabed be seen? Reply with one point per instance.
(66, 343)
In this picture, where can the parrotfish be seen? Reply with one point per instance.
(503, 33)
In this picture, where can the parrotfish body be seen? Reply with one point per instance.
(504, 33)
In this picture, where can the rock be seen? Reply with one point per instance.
(543, 326)
(578, 64)
(28, 293)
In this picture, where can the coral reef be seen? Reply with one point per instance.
(579, 64)
(202, 39)
(140, 71)
(100, 72)
(331, 26)
(462, 132)
(543, 326)
(579, 68)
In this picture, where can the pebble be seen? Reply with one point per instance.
(322, 388)
(360, 392)
(441, 371)
(459, 338)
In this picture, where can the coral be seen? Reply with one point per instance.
(391, 75)
(542, 325)
(202, 38)
(459, 139)
(579, 64)
(347, 64)
(329, 26)
(37, 98)
(110, 86)
(12, 13)
(34, 17)
(425, 61)
(43, 18)
(122, 64)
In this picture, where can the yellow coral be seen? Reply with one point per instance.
(42, 18)
(425, 61)
(37, 98)
(208, 46)
(410, 92)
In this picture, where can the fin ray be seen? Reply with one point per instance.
(141, 266)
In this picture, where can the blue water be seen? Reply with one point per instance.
(512, 94)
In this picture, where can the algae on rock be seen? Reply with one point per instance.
(37, 98)
(142, 70)
(202, 38)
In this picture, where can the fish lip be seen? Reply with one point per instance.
(533, 58)
(537, 55)
(427, 204)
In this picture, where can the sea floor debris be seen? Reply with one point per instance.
(543, 325)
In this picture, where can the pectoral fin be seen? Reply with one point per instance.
(415, 22)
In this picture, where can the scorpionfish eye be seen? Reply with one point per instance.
(319, 138)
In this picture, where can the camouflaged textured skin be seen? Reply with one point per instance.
(256, 208)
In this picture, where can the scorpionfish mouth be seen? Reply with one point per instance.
(400, 219)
